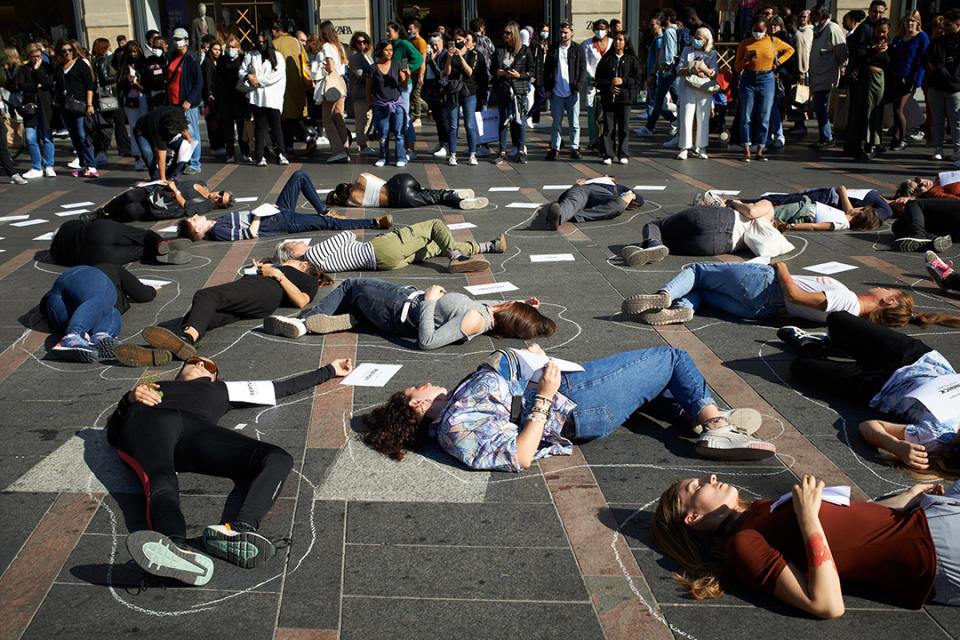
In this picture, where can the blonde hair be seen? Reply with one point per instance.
(12, 55)
(911, 14)
(903, 314)
(707, 36)
(514, 29)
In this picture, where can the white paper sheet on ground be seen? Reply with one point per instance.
(829, 268)
(602, 180)
(948, 177)
(250, 271)
(496, 287)
(46, 236)
(826, 213)
(265, 210)
(723, 192)
(768, 193)
(860, 194)
(252, 392)
(152, 283)
(552, 257)
(532, 364)
(648, 187)
(185, 151)
(12, 218)
(29, 223)
(72, 212)
(839, 495)
(74, 205)
(149, 184)
(461, 225)
(556, 187)
(940, 396)
(760, 260)
(523, 205)
(324, 190)
(170, 229)
(370, 374)
(246, 199)
(504, 189)
(3, 250)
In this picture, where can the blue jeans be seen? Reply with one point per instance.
(664, 81)
(378, 301)
(821, 99)
(469, 106)
(193, 122)
(409, 131)
(83, 300)
(388, 123)
(300, 184)
(151, 160)
(78, 136)
(35, 137)
(742, 289)
(571, 106)
(609, 390)
(756, 100)
(506, 123)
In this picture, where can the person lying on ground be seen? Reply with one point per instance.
(435, 317)
(594, 199)
(104, 241)
(169, 427)
(402, 191)
(830, 196)
(927, 224)
(501, 417)
(162, 201)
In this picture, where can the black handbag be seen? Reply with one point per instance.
(73, 106)
(106, 100)
(27, 110)
(131, 102)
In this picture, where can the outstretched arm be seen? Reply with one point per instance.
(794, 294)
(310, 379)
(889, 437)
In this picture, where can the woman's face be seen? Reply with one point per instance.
(423, 397)
(619, 43)
(215, 50)
(67, 52)
(885, 297)
(911, 25)
(702, 497)
(508, 37)
(199, 369)
(760, 28)
(471, 43)
(387, 53)
(922, 185)
(881, 32)
(363, 44)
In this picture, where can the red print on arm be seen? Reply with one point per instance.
(818, 552)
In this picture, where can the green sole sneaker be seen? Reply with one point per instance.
(247, 549)
(156, 554)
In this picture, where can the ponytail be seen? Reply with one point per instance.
(903, 314)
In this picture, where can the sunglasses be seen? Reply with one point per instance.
(221, 197)
(203, 364)
(65, 49)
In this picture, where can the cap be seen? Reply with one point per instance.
(180, 34)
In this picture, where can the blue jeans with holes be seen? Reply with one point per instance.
(608, 391)
(756, 100)
(378, 301)
(83, 300)
(469, 106)
(39, 140)
(571, 106)
(742, 289)
(388, 123)
(821, 100)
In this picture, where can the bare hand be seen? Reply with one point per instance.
(269, 271)
(807, 498)
(341, 366)
(629, 197)
(434, 292)
(513, 73)
(156, 287)
(550, 381)
(580, 181)
(535, 348)
(533, 302)
(252, 79)
(912, 454)
(146, 393)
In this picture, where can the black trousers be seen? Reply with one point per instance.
(267, 122)
(616, 118)
(404, 192)
(132, 206)
(161, 442)
(877, 351)
(232, 120)
(227, 303)
(928, 218)
(697, 231)
(102, 241)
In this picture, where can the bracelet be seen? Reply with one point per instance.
(532, 418)
(544, 398)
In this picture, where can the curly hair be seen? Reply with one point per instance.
(395, 428)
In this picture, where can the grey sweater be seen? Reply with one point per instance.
(440, 320)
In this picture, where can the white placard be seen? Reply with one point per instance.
(246, 199)
(185, 151)
(29, 223)
(826, 213)
(760, 260)
(552, 257)
(523, 205)
(461, 225)
(556, 187)
(948, 177)
(252, 392)
(504, 189)
(74, 205)
(12, 218)
(324, 190)
(496, 287)
(724, 193)
(829, 268)
(265, 210)
(250, 271)
(369, 374)
(46, 236)
(3, 250)
(150, 184)
(530, 362)
(648, 187)
(772, 193)
(154, 283)
(940, 396)
(170, 229)
(602, 180)
(839, 495)
(860, 194)
(72, 212)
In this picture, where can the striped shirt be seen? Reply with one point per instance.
(342, 252)
(236, 226)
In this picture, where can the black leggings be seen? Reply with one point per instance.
(616, 121)
(161, 442)
(129, 207)
(227, 303)
(232, 121)
(266, 119)
(877, 352)
(928, 218)
(404, 192)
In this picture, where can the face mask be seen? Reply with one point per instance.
(759, 35)
(411, 36)
(698, 43)
(600, 34)
(154, 52)
(181, 44)
(232, 53)
(544, 35)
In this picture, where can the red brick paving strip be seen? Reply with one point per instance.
(221, 175)
(17, 353)
(282, 180)
(29, 577)
(286, 633)
(16, 262)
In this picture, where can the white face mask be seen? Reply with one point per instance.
(181, 44)
(600, 34)
(759, 35)
(232, 53)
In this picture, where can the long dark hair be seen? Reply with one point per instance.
(627, 46)
(266, 49)
(523, 321)
(395, 427)
(340, 194)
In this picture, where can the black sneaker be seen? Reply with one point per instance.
(575, 154)
(553, 216)
(798, 338)
(500, 158)
(156, 554)
(247, 549)
(911, 244)
(551, 155)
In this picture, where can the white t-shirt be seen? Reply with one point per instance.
(739, 229)
(839, 298)
(330, 51)
(836, 217)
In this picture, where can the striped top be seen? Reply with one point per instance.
(342, 252)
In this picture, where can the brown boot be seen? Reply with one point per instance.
(165, 339)
(133, 355)
(384, 222)
(468, 264)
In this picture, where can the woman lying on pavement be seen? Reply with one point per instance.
(252, 296)
(163, 428)
(105, 241)
(902, 550)
(402, 191)
(163, 201)
(831, 196)
(886, 366)
(437, 318)
(760, 292)
(503, 417)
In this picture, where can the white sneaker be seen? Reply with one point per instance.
(779, 142)
(49, 173)
(607, 161)
(452, 160)
(530, 123)
(411, 155)
(262, 162)
(284, 326)
(674, 128)
(700, 153)
(401, 163)
(473, 159)
(100, 159)
(441, 152)
(643, 131)
(682, 155)
(367, 151)
(323, 140)
(672, 144)
(31, 174)
(937, 155)
(74, 164)
(379, 163)
(282, 159)
(138, 165)
(624, 160)
(18, 179)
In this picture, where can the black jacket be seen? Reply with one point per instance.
(522, 63)
(628, 68)
(37, 88)
(208, 69)
(576, 67)
(943, 55)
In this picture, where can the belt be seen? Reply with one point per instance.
(406, 306)
(761, 72)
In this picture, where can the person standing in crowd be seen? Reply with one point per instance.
(416, 81)
(266, 80)
(803, 43)
(667, 73)
(828, 55)
(297, 71)
(232, 103)
(155, 72)
(617, 76)
(943, 86)
(133, 96)
(594, 49)
(411, 61)
(868, 68)
(758, 57)
(782, 79)
(565, 72)
(107, 71)
(511, 70)
(460, 65)
(35, 80)
(653, 52)
(327, 70)
(74, 87)
(907, 51)
(384, 84)
(432, 92)
(358, 65)
(861, 32)
(697, 66)
(211, 107)
(539, 45)
(185, 90)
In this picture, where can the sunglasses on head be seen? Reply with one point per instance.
(200, 362)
